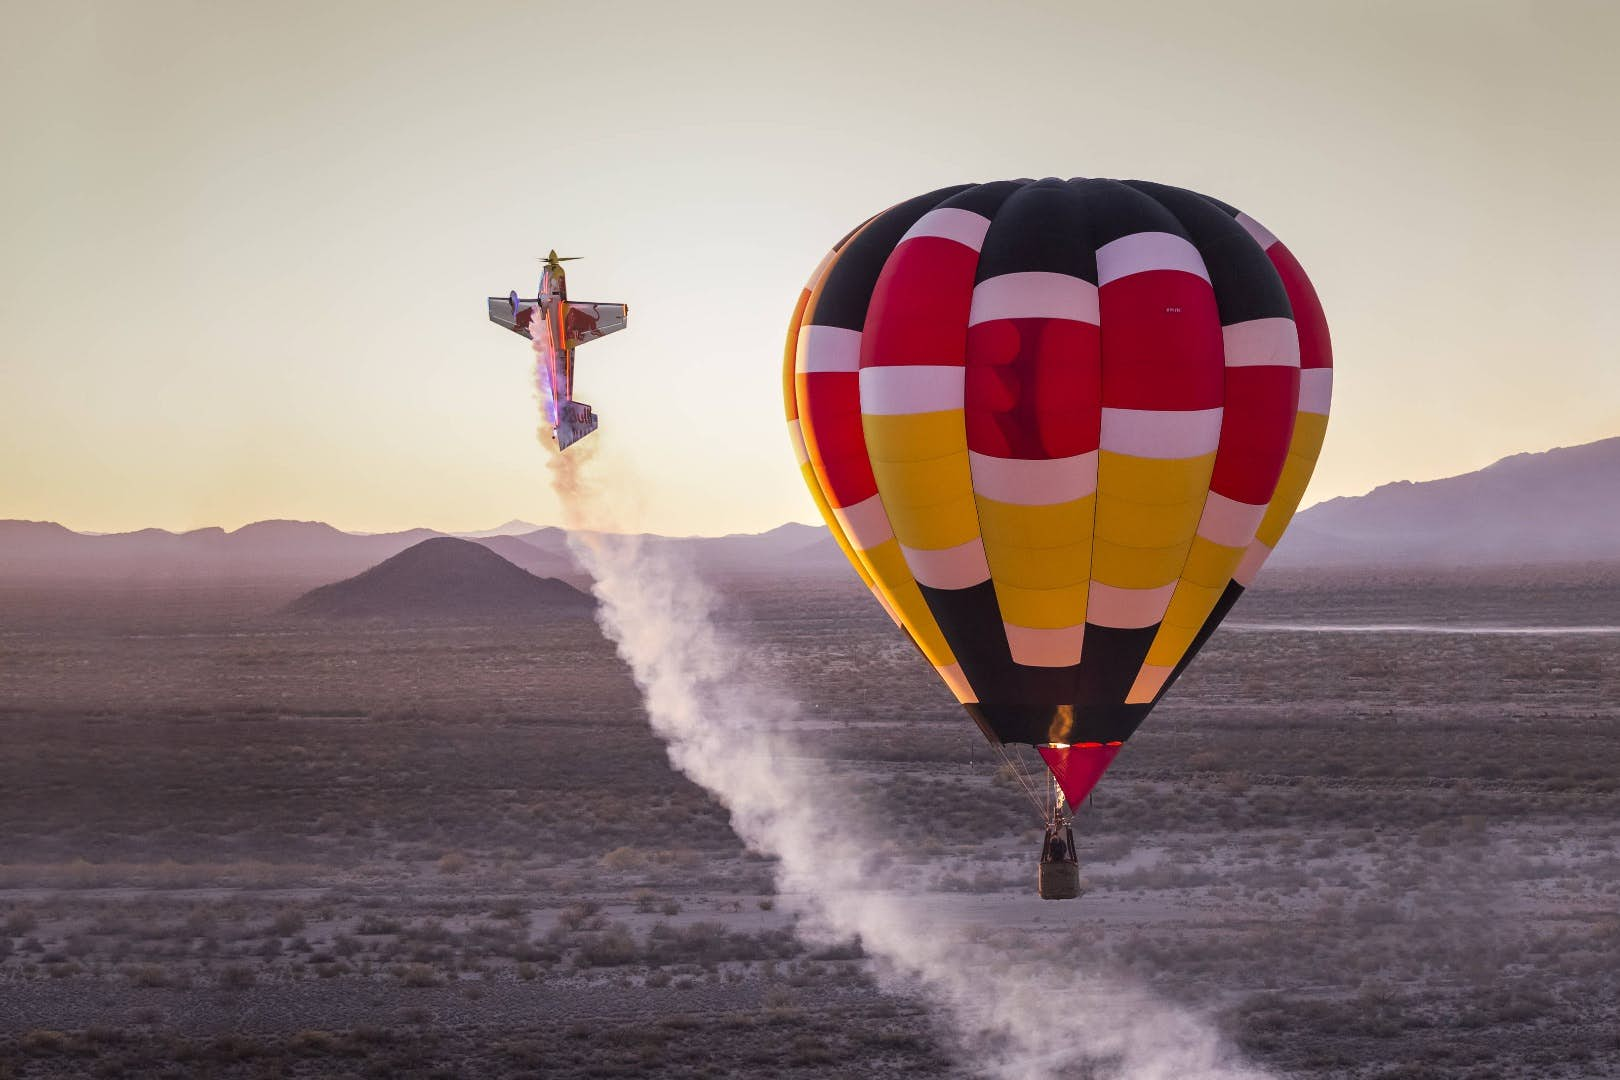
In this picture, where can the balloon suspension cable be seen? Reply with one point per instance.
(1025, 781)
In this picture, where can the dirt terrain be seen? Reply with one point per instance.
(238, 843)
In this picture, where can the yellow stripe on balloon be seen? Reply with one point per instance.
(929, 499)
(1040, 560)
(891, 574)
(1134, 567)
(1044, 568)
(936, 526)
(923, 483)
(1211, 564)
(1154, 480)
(1043, 609)
(1189, 609)
(1015, 525)
(1129, 523)
(1303, 448)
(915, 436)
(825, 509)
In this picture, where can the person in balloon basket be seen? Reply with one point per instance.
(1059, 845)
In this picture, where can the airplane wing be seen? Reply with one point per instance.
(587, 322)
(501, 313)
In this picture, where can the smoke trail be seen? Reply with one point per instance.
(1018, 1018)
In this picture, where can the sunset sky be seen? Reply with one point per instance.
(246, 246)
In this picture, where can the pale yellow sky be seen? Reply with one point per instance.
(244, 246)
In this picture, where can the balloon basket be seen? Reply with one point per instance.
(1059, 881)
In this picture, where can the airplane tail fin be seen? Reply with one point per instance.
(574, 422)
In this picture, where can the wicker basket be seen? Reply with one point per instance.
(1059, 880)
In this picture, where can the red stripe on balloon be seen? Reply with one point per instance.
(1034, 388)
(831, 411)
(1161, 332)
(920, 303)
(1258, 423)
(1315, 346)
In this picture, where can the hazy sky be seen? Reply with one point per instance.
(244, 247)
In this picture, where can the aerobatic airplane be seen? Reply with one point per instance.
(556, 325)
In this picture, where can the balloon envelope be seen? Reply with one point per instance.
(1057, 426)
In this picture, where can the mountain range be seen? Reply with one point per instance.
(1557, 507)
(313, 552)
(1538, 509)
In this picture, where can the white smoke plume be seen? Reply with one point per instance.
(1016, 1018)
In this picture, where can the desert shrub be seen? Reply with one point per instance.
(418, 976)
(622, 858)
(378, 925)
(428, 932)
(317, 1043)
(287, 922)
(535, 950)
(575, 916)
(711, 943)
(509, 909)
(43, 1041)
(612, 947)
(18, 922)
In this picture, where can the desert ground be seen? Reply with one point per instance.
(237, 843)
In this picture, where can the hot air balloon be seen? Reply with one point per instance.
(1057, 426)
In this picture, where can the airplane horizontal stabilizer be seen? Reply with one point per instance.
(574, 422)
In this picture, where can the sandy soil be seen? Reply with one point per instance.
(240, 845)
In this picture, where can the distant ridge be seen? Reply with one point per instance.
(1557, 507)
(515, 527)
(306, 553)
(444, 577)
(292, 551)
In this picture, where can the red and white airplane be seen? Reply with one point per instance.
(556, 325)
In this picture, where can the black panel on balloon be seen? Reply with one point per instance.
(982, 199)
(847, 291)
(1110, 660)
(1247, 285)
(1041, 227)
(1114, 210)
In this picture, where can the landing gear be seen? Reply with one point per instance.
(1059, 874)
